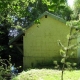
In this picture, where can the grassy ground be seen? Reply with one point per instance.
(48, 74)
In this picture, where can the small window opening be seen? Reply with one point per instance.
(45, 16)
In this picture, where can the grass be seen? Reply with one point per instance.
(47, 74)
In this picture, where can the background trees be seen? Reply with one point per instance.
(77, 6)
(76, 10)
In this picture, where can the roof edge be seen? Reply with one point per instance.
(45, 13)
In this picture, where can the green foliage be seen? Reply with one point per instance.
(66, 52)
(21, 8)
(37, 21)
(76, 10)
(77, 6)
(57, 66)
(62, 53)
(74, 23)
(68, 36)
(3, 38)
(5, 68)
(63, 60)
(60, 8)
(74, 64)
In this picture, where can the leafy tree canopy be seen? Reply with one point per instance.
(31, 8)
(77, 6)
(76, 10)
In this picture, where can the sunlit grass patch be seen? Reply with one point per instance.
(47, 74)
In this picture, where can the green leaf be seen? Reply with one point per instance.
(56, 67)
(18, 7)
(55, 62)
(72, 53)
(37, 21)
(63, 60)
(74, 64)
(68, 64)
(68, 36)
(62, 53)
